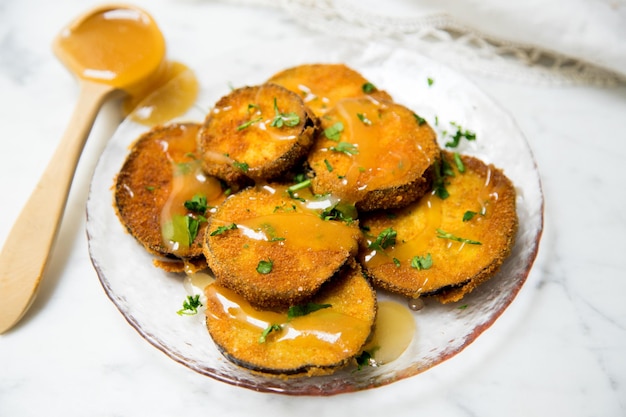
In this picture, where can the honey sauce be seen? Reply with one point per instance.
(188, 181)
(381, 151)
(172, 93)
(300, 230)
(124, 48)
(394, 331)
(432, 214)
(117, 46)
(323, 329)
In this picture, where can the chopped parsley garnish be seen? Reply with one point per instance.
(329, 167)
(150, 188)
(469, 215)
(334, 132)
(420, 120)
(249, 123)
(430, 81)
(269, 329)
(396, 262)
(345, 147)
(368, 88)
(363, 360)
(284, 119)
(265, 266)
(183, 229)
(459, 163)
(445, 235)
(197, 204)
(270, 232)
(223, 229)
(299, 186)
(441, 170)
(193, 224)
(303, 310)
(241, 165)
(253, 107)
(190, 305)
(363, 118)
(462, 307)
(340, 211)
(384, 239)
(460, 134)
(422, 262)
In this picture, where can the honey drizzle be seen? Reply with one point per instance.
(322, 329)
(431, 218)
(188, 180)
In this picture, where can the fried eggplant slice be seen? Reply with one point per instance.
(375, 154)
(322, 85)
(256, 134)
(273, 249)
(159, 178)
(448, 242)
(314, 338)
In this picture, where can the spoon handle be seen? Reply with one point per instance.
(27, 247)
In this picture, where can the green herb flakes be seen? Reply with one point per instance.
(269, 329)
(265, 266)
(422, 262)
(190, 306)
(284, 119)
(345, 147)
(334, 132)
(223, 229)
(368, 88)
(303, 310)
(445, 235)
(469, 215)
(384, 239)
(249, 123)
(197, 204)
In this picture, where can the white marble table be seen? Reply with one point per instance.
(558, 350)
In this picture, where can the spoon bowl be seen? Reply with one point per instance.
(109, 49)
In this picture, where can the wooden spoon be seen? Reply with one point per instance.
(110, 49)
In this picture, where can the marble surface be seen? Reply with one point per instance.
(557, 350)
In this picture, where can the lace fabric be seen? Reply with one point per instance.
(439, 36)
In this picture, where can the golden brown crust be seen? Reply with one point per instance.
(271, 227)
(244, 139)
(430, 227)
(350, 318)
(321, 85)
(144, 186)
(375, 154)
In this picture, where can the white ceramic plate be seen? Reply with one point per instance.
(149, 298)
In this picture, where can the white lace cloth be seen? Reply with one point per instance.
(538, 41)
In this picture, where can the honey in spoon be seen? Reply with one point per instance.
(110, 49)
(123, 47)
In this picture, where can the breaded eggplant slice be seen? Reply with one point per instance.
(256, 133)
(316, 338)
(159, 175)
(322, 85)
(444, 246)
(272, 249)
(375, 154)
